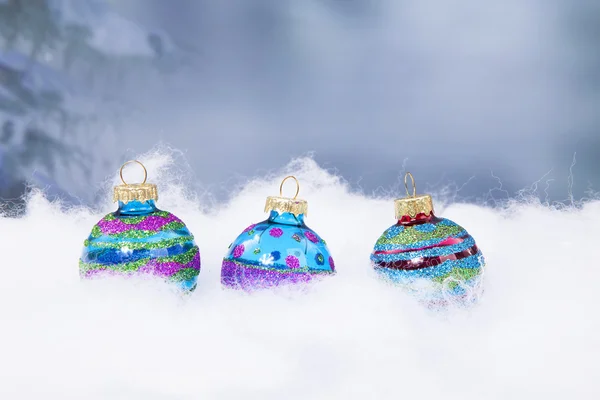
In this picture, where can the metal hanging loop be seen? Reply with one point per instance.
(297, 186)
(131, 162)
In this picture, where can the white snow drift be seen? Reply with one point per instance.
(534, 335)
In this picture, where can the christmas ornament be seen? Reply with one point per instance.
(432, 256)
(279, 250)
(139, 239)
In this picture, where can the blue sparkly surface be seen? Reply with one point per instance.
(425, 282)
(474, 261)
(111, 256)
(120, 253)
(425, 228)
(416, 245)
(432, 252)
(438, 291)
(394, 231)
(465, 292)
(271, 243)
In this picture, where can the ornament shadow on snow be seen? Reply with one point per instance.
(279, 250)
(433, 258)
(139, 239)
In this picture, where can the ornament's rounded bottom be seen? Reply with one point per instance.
(178, 265)
(185, 285)
(237, 275)
(440, 286)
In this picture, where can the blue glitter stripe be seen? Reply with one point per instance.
(455, 293)
(393, 231)
(434, 252)
(434, 293)
(444, 268)
(426, 228)
(416, 245)
(458, 290)
(111, 256)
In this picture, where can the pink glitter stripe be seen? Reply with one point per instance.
(169, 268)
(151, 223)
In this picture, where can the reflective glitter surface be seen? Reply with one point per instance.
(436, 250)
(149, 242)
(151, 223)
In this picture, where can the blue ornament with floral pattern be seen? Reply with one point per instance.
(279, 250)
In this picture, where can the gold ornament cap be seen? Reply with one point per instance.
(286, 204)
(412, 205)
(135, 191)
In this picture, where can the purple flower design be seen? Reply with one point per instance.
(238, 250)
(276, 232)
(292, 262)
(311, 236)
(248, 229)
(331, 263)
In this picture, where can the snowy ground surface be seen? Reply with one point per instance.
(535, 334)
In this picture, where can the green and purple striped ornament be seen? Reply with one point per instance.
(140, 240)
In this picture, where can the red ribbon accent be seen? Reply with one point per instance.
(425, 262)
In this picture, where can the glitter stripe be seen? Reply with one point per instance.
(150, 223)
(121, 255)
(391, 256)
(475, 262)
(183, 275)
(137, 234)
(135, 220)
(413, 246)
(412, 238)
(425, 262)
(446, 242)
(140, 245)
(239, 276)
(163, 266)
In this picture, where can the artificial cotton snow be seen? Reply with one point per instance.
(534, 334)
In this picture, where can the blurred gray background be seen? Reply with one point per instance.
(488, 98)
